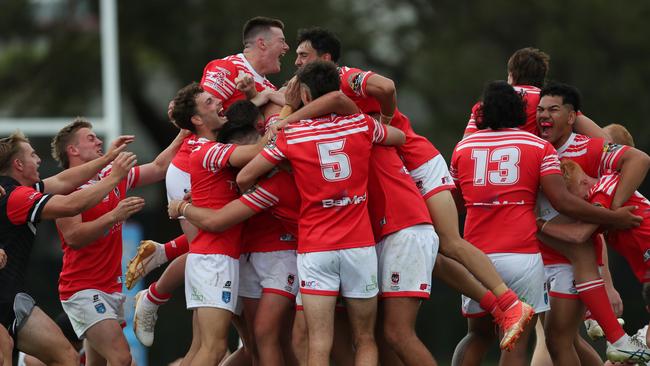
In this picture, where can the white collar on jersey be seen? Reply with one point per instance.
(258, 78)
(568, 143)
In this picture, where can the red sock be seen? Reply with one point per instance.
(489, 302)
(594, 296)
(155, 297)
(507, 299)
(177, 247)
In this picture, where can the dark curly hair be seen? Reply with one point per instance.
(321, 77)
(502, 107)
(242, 118)
(569, 93)
(322, 40)
(185, 106)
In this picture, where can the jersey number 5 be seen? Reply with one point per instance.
(334, 163)
(507, 171)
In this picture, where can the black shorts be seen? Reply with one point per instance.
(14, 314)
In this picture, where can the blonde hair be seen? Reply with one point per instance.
(9, 148)
(64, 138)
(572, 173)
(619, 134)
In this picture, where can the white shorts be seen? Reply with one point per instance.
(270, 272)
(406, 259)
(88, 307)
(560, 281)
(177, 183)
(211, 281)
(353, 271)
(524, 274)
(544, 209)
(432, 177)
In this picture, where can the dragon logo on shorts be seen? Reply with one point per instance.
(394, 278)
(225, 296)
(291, 279)
(101, 309)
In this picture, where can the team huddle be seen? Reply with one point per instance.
(314, 218)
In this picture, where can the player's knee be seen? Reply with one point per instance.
(67, 356)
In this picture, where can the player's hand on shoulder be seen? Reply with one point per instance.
(122, 164)
(127, 207)
(626, 218)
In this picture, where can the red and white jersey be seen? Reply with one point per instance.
(182, 158)
(634, 243)
(99, 264)
(417, 150)
(499, 174)
(529, 94)
(219, 78)
(394, 202)
(213, 186)
(595, 157)
(330, 157)
(277, 202)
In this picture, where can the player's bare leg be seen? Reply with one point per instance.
(319, 316)
(250, 314)
(399, 316)
(362, 314)
(541, 357)
(561, 323)
(196, 341)
(269, 330)
(242, 355)
(92, 356)
(107, 339)
(342, 350)
(43, 339)
(300, 337)
(213, 328)
(458, 278)
(471, 350)
(6, 347)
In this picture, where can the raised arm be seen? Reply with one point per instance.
(562, 200)
(83, 199)
(72, 178)
(394, 137)
(383, 89)
(252, 171)
(78, 234)
(586, 126)
(155, 171)
(208, 219)
(633, 167)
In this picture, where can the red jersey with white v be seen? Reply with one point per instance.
(417, 150)
(394, 202)
(330, 157)
(499, 173)
(595, 157)
(99, 264)
(219, 78)
(634, 243)
(277, 197)
(213, 186)
(529, 94)
(182, 158)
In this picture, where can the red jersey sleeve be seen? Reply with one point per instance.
(217, 156)
(275, 148)
(261, 196)
(219, 78)
(379, 131)
(550, 162)
(473, 117)
(355, 81)
(610, 157)
(25, 204)
(133, 178)
(602, 193)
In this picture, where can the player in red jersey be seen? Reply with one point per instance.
(329, 156)
(632, 244)
(572, 270)
(212, 255)
(374, 93)
(498, 171)
(527, 69)
(264, 45)
(90, 283)
(28, 201)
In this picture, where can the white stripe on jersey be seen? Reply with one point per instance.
(261, 198)
(501, 137)
(38, 204)
(462, 146)
(213, 159)
(275, 153)
(323, 136)
(130, 178)
(309, 125)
